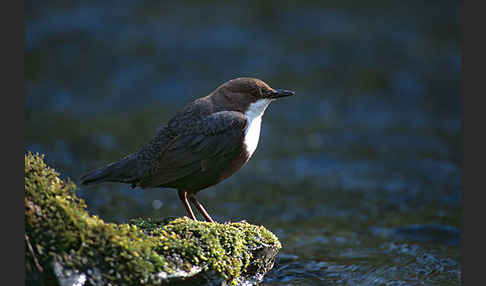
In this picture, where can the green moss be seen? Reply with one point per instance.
(225, 248)
(61, 230)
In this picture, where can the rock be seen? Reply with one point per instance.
(67, 246)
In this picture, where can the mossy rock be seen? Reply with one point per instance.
(65, 245)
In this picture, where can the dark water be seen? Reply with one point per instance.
(359, 175)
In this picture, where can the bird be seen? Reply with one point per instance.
(206, 142)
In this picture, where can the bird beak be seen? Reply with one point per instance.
(281, 93)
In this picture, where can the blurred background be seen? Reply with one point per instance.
(359, 175)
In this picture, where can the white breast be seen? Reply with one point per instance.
(254, 115)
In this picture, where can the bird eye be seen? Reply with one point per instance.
(260, 92)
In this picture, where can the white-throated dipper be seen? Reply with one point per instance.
(205, 143)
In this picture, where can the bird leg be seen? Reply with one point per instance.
(183, 197)
(200, 208)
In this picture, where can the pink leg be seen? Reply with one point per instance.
(192, 198)
(183, 197)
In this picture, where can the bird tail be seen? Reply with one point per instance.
(121, 171)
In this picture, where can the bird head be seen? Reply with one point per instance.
(241, 93)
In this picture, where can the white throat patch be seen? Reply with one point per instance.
(254, 114)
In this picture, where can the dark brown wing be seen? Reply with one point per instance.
(214, 135)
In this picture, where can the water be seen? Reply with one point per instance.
(358, 175)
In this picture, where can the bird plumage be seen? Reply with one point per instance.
(204, 143)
